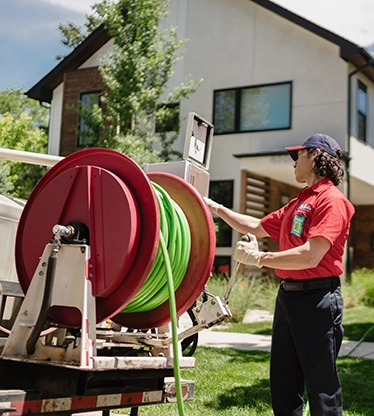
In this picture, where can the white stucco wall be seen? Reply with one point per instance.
(243, 44)
(95, 59)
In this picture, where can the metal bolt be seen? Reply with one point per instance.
(44, 264)
(41, 273)
(213, 301)
(203, 321)
(198, 310)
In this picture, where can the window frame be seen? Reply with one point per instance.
(237, 115)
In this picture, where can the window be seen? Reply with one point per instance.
(170, 122)
(362, 108)
(88, 100)
(222, 192)
(222, 265)
(255, 108)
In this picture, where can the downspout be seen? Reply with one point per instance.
(349, 133)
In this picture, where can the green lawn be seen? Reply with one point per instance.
(231, 382)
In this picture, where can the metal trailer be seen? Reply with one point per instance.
(124, 373)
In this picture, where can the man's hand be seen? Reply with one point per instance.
(213, 206)
(248, 252)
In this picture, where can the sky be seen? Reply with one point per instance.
(30, 39)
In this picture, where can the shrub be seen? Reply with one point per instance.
(361, 289)
(247, 294)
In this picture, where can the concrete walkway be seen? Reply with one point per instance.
(210, 338)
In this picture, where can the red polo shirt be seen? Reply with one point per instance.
(319, 211)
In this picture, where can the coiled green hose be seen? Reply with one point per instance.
(175, 232)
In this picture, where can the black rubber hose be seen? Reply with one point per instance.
(46, 303)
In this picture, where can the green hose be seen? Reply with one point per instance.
(174, 330)
(167, 273)
(175, 231)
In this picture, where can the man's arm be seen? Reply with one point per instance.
(242, 223)
(303, 257)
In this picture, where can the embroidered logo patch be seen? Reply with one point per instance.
(298, 225)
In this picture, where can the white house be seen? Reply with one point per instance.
(271, 79)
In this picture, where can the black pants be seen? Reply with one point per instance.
(307, 335)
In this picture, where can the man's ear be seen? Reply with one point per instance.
(316, 153)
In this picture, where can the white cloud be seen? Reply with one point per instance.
(351, 19)
(81, 6)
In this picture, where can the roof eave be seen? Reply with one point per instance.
(43, 90)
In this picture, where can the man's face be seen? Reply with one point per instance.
(303, 167)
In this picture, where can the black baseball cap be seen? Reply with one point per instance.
(317, 141)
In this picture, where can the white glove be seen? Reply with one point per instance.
(248, 252)
(213, 206)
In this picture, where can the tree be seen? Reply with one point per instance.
(73, 35)
(23, 126)
(136, 76)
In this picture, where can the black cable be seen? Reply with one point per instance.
(46, 303)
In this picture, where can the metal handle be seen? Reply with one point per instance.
(232, 280)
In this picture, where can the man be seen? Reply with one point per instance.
(312, 231)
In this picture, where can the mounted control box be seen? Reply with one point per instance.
(196, 155)
(196, 176)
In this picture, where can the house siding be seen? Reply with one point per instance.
(75, 83)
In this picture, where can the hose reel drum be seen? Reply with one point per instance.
(110, 202)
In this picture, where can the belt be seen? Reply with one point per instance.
(306, 285)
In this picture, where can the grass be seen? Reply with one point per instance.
(236, 383)
(232, 382)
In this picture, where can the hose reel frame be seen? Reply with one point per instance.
(120, 172)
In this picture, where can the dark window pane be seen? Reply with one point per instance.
(170, 121)
(86, 132)
(361, 127)
(362, 110)
(362, 101)
(221, 265)
(222, 192)
(224, 111)
(265, 108)
(223, 233)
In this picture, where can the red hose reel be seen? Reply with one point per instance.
(114, 199)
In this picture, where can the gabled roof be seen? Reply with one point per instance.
(349, 51)
(42, 91)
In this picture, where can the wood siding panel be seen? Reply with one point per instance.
(361, 236)
(259, 196)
